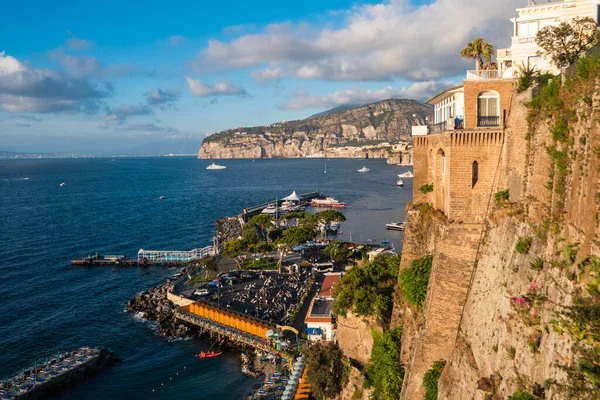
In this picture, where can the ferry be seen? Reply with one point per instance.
(364, 169)
(396, 226)
(407, 174)
(216, 166)
(327, 202)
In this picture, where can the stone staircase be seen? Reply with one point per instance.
(453, 263)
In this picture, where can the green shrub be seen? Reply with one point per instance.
(523, 244)
(537, 264)
(519, 395)
(501, 197)
(368, 290)
(512, 352)
(414, 281)
(585, 65)
(527, 77)
(495, 348)
(426, 188)
(430, 380)
(560, 130)
(571, 252)
(384, 372)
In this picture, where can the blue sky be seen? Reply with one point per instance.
(118, 77)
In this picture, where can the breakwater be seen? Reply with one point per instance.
(56, 374)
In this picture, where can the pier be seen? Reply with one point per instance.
(56, 374)
(249, 212)
(147, 257)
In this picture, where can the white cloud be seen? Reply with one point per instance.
(393, 39)
(120, 114)
(220, 88)
(24, 88)
(162, 98)
(418, 90)
(87, 66)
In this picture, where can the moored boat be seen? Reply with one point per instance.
(407, 174)
(399, 182)
(364, 169)
(396, 226)
(327, 202)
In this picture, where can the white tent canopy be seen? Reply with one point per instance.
(292, 197)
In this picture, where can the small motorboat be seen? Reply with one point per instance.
(399, 182)
(162, 197)
(208, 354)
(63, 184)
(407, 174)
(364, 169)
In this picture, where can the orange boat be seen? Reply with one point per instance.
(208, 354)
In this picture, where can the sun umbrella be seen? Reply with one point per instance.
(270, 333)
(270, 356)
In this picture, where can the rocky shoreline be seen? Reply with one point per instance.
(153, 305)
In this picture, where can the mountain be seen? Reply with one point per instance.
(368, 130)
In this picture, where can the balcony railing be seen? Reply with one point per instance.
(484, 74)
(525, 39)
(487, 121)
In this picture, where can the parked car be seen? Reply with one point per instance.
(202, 292)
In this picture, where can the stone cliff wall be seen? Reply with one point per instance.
(355, 338)
(366, 131)
(491, 310)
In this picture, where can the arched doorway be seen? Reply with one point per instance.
(488, 109)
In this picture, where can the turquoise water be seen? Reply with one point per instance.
(113, 207)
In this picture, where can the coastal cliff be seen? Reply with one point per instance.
(369, 130)
(513, 298)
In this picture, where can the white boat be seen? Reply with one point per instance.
(396, 226)
(327, 202)
(162, 197)
(364, 169)
(63, 184)
(399, 182)
(216, 166)
(407, 174)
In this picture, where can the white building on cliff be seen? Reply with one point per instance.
(530, 19)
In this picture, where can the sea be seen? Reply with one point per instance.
(112, 206)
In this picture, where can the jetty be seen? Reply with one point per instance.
(249, 212)
(147, 257)
(55, 374)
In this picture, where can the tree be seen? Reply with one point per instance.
(326, 217)
(292, 237)
(479, 50)
(327, 372)
(337, 251)
(207, 264)
(250, 235)
(233, 248)
(567, 41)
(264, 221)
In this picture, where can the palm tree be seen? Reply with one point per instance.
(480, 50)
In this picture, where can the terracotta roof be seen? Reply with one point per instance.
(328, 284)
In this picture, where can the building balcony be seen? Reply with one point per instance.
(516, 40)
(504, 54)
(488, 121)
(483, 74)
(450, 125)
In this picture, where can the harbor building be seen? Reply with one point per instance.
(537, 15)
(319, 321)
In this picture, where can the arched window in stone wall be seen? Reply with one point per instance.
(474, 174)
(488, 108)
